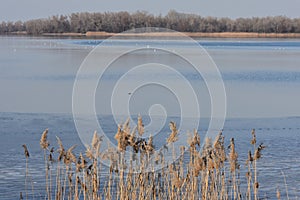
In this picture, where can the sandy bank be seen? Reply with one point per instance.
(198, 34)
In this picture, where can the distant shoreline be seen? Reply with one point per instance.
(199, 34)
(170, 34)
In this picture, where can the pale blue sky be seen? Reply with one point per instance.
(29, 9)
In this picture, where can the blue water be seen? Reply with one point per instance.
(279, 45)
(261, 78)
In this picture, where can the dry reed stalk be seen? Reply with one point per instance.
(44, 143)
(129, 182)
(219, 158)
(26, 153)
(256, 157)
(61, 151)
(50, 163)
(233, 156)
(80, 168)
(95, 182)
(76, 192)
(93, 153)
(69, 158)
(255, 184)
(121, 178)
(249, 174)
(278, 194)
(108, 194)
(285, 184)
(134, 193)
(224, 193)
(140, 126)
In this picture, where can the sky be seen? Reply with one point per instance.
(13, 10)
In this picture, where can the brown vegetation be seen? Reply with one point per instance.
(208, 172)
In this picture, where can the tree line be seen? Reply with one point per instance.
(116, 22)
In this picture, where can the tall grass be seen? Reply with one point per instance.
(208, 172)
(26, 153)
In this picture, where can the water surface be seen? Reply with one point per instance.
(261, 77)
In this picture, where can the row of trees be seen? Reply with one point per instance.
(121, 21)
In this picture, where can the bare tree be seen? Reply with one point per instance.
(121, 21)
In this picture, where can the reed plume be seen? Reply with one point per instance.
(173, 137)
(44, 143)
(26, 153)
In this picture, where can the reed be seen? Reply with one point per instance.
(44, 143)
(208, 172)
(26, 153)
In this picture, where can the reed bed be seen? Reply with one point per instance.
(210, 171)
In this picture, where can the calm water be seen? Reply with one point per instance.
(262, 82)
